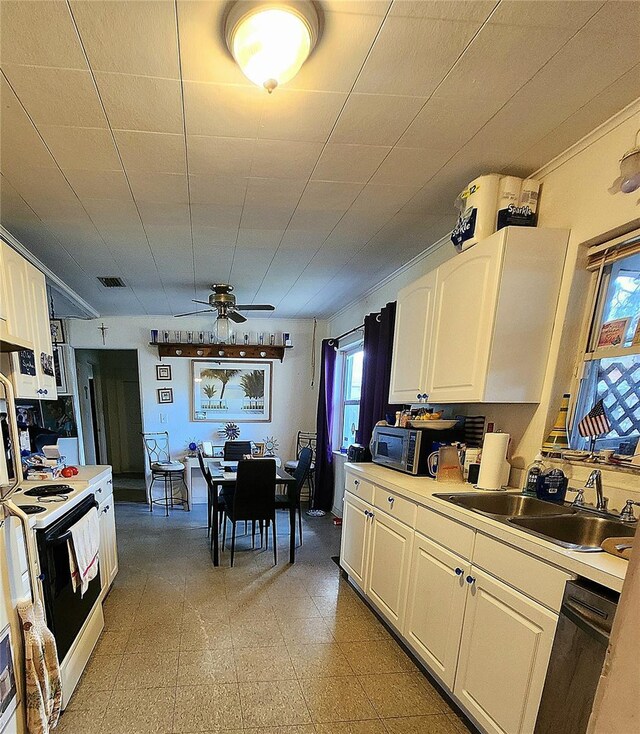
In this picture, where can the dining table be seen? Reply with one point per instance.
(224, 474)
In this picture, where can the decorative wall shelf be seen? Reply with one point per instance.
(221, 351)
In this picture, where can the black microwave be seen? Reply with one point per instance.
(408, 449)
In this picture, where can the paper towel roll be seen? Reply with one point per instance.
(494, 467)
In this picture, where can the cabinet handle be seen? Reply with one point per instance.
(99, 490)
(46, 392)
(470, 580)
(109, 481)
(356, 482)
(106, 509)
(459, 572)
(366, 512)
(391, 500)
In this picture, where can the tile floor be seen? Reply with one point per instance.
(281, 650)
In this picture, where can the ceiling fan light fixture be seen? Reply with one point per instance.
(629, 179)
(270, 41)
(222, 329)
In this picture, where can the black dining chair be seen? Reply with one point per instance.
(236, 450)
(254, 500)
(301, 473)
(211, 488)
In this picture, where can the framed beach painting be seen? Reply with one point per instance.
(231, 391)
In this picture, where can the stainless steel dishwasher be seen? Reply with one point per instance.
(577, 657)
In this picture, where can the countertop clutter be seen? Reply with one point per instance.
(599, 567)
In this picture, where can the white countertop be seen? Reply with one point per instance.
(602, 568)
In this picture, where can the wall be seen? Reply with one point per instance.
(294, 400)
(574, 196)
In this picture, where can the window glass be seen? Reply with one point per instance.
(351, 391)
(622, 299)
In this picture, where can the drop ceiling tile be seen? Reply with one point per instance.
(218, 156)
(98, 184)
(300, 115)
(213, 265)
(141, 102)
(205, 238)
(334, 65)
(41, 183)
(354, 163)
(39, 34)
(412, 55)
(46, 208)
(443, 9)
(284, 159)
(174, 236)
(170, 188)
(276, 192)
(87, 148)
(252, 238)
(501, 59)
(303, 239)
(222, 110)
(57, 96)
(319, 221)
(207, 215)
(329, 195)
(143, 151)
(110, 213)
(204, 53)
(266, 217)
(557, 14)
(123, 49)
(410, 166)
(447, 123)
(220, 190)
(375, 119)
(358, 7)
(162, 213)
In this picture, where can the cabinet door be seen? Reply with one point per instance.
(112, 545)
(37, 291)
(435, 607)
(464, 312)
(16, 306)
(412, 340)
(355, 538)
(105, 554)
(506, 643)
(389, 560)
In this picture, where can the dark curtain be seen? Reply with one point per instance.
(376, 372)
(323, 495)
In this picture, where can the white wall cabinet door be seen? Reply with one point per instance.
(37, 290)
(355, 537)
(435, 607)
(16, 307)
(464, 312)
(389, 561)
(412, 340)
(506, 643)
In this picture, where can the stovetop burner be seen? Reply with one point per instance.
(32, 509)
(47, 490)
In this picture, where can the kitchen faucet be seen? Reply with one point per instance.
(594, 481)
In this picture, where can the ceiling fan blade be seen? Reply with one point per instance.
(206, 303)
(255, 307)
(237, 317)
(192, 313)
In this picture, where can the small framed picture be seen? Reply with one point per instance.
(163, 372)
(165, 395)
(257, 448)
(8, 690)
(57, 332)
(59, 368)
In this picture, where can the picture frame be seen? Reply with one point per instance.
(58, 335)
(165, 394)
(60, 370)
(163, 372)
(257, 448)
(8, 688)
(231, 391)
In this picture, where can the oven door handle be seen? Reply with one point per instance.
(67, 535)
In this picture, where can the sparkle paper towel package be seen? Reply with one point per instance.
(494, 467)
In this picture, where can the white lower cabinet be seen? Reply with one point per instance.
(504, 653)
(389, 561)
(435, 607)
(108, 541)
(355, 538)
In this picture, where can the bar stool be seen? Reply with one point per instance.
(164, 470)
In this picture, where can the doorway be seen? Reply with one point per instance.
(111, 414)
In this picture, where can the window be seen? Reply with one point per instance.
(612, 373)
(350, 394)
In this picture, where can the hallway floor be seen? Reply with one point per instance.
(255, 648)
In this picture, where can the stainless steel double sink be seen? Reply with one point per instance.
(564, 525)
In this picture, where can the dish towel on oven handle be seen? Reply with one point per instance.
(84, 545)
(43, 695)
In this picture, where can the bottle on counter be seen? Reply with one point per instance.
(534, 470)
(552, 486)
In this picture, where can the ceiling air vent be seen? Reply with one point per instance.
(112, 282)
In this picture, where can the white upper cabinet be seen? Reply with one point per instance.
(494, 313)
(24, 296)
(412, 340)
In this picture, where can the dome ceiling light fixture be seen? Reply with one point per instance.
(270, 41)
(629, 179)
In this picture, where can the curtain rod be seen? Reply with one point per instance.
(346, 333)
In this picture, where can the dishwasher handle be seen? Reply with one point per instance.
(585, 624)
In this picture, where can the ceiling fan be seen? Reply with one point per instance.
(223, 302)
